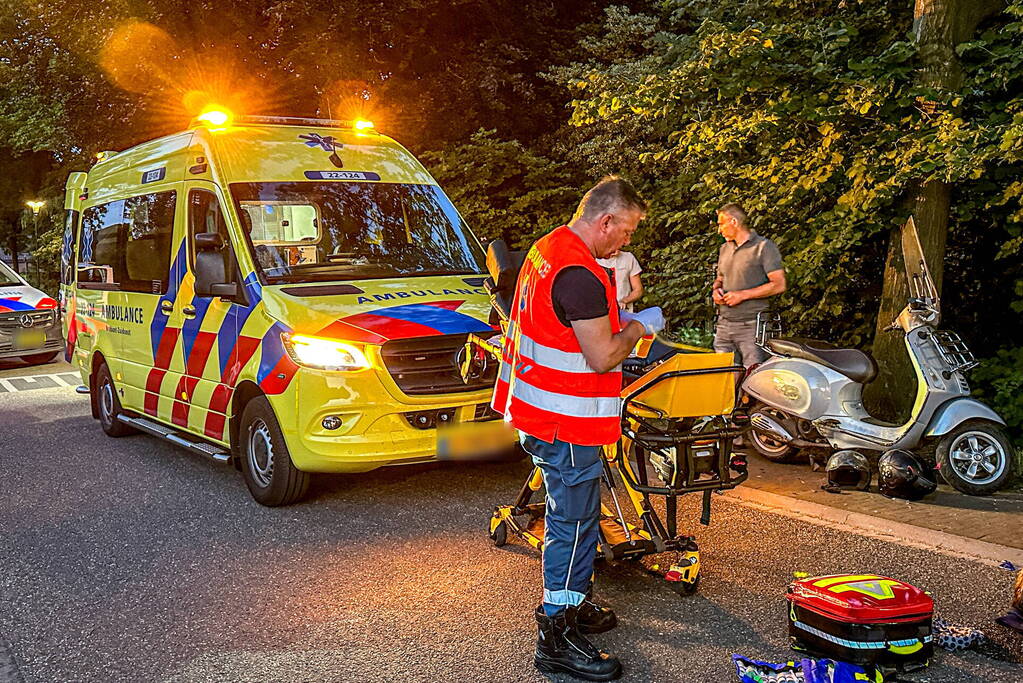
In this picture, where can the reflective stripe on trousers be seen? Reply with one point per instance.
(572, 478)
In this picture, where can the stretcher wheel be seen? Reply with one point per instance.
(686, 587)
(499, 535)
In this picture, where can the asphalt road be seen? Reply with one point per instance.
(131, 560)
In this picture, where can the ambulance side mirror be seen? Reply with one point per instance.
(210, 269)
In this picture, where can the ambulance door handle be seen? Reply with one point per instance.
(188, 311)
(167, 307)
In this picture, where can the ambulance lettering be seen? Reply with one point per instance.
(418, 292)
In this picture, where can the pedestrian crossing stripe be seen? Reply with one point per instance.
(32, 382)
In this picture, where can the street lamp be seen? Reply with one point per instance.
(36, 205)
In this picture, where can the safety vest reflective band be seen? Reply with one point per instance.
(545, 387)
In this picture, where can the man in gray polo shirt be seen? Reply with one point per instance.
(749, 271)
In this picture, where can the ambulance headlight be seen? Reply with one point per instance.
(324, 354)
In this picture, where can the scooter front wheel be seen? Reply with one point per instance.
(976, 458)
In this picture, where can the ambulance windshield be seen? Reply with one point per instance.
(7, 276)
(326, 231)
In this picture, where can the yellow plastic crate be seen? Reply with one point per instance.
(691, 396)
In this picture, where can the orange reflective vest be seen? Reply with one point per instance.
(545, 387)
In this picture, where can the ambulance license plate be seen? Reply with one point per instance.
(29, 339)
(475, 440)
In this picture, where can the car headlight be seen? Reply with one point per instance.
(324, 354)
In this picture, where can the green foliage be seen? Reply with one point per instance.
(799, 112)
(504, 189)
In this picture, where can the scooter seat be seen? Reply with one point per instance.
(853, 363)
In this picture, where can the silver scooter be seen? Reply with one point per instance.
(808, 394)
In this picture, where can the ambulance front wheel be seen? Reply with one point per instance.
(269, 473)
(108, 405)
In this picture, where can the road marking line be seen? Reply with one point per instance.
(61, 379)
(32, 382)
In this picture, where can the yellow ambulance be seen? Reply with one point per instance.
(290, 295)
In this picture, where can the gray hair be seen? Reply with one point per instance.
(612, 192)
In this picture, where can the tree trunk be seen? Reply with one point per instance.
(938, 26)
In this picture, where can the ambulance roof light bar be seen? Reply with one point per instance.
(356, 124)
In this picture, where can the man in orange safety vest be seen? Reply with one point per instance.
(559, 386)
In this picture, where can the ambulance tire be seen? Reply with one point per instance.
(271, 476)
(40, 358)
(108, 405)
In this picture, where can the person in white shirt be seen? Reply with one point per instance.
(627, 282)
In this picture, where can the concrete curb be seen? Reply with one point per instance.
(876, 527)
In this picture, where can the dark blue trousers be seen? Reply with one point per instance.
(571, 475)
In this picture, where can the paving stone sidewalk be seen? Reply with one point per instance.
(993, 519)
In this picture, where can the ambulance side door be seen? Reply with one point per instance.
(211, 348)
(150, 319)
(98, 286)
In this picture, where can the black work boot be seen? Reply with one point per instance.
(594, 618)
(561, 648)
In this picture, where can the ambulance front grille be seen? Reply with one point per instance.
(429, 365)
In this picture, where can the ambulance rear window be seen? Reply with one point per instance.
(329, 231)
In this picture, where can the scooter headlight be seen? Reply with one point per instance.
(324, 354)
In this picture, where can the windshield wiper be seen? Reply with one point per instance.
(428, 273)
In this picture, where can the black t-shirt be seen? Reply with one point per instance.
(578, 295)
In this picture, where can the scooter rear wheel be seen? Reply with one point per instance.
(976, 458)
(775, 451)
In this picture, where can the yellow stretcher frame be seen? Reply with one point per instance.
(657, 412)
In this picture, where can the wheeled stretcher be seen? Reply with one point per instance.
(679, 419)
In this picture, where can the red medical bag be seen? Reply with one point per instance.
(862, 619)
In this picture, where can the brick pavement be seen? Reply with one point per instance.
(993, 519)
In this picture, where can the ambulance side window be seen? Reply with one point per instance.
(205, 215)
(148, 228)
(98, 257)
(125, 244)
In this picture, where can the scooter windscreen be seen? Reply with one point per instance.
(921, 286)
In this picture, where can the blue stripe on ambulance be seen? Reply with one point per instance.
(231, 329)
(159, 324)
(441, 319)
(271, 350)
(190, 327)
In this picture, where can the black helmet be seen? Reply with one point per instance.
(848, 470)
(902, 475)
